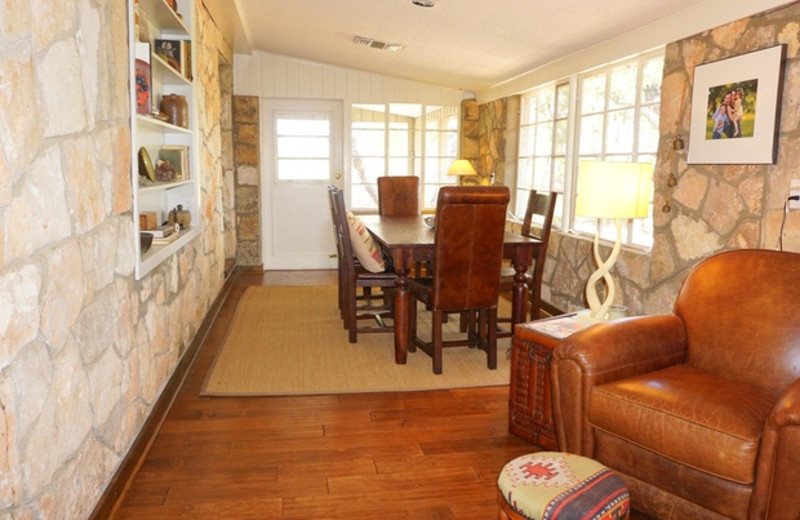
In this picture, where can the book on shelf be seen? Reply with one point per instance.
(186, 48)
(166, 240)
(144, 104)
(162, 231)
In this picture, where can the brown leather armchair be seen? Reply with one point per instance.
(699, 411)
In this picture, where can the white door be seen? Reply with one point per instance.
(301, 154)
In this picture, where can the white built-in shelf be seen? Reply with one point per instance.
(159, 21)
(159, 13)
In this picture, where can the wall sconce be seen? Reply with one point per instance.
(672, 180)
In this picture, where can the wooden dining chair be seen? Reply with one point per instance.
(334, 206)
(468, 251)
(355, 274)
(542, 205)
(398, 196)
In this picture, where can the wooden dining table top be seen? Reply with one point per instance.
(412, 232)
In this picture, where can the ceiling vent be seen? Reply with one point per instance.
(423, 3)
(375, 44)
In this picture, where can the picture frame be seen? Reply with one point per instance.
(171, 52)
(735, 109)
(178, 157)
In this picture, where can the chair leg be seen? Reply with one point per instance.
(412, 326)
(436, 340)
(491, 354)
(352, 312)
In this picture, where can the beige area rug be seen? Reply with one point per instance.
(290, 341)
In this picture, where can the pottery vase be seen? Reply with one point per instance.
(176, 108)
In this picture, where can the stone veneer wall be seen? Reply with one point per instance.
(228, 172)
(488, 136)
(85, 349)
(248, 180)
(714, 207)
(718, 207)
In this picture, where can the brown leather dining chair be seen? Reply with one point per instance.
(542, 205)
(354, 275)
(468, 251)
(398, 196)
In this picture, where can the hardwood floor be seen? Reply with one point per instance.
(417, 455)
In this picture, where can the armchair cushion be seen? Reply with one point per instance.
(688, 416)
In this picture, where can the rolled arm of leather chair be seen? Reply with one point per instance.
(778, 472)
(602, 353)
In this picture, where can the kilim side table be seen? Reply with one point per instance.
(530, 403)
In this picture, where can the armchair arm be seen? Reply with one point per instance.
(778, 467)
(602, 353)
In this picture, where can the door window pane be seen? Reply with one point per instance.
(303, 146)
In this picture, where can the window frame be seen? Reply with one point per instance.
(419, 130)
(566, 219)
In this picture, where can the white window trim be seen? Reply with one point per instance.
(572, 157)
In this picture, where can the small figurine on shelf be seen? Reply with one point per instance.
(180, 216)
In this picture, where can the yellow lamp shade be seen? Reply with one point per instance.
(461, 167)
(613, 190)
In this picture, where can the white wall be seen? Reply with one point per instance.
(273, 76)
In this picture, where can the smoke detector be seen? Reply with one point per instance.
(375, 44)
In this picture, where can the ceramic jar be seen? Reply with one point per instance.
(176, 108)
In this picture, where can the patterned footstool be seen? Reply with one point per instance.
(560, 486)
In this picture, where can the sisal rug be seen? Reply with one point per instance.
(290, 341)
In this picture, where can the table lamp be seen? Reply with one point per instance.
(617, 191)
(461, 168)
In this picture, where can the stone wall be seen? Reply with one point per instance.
(489, 136)
(718, 207)
(85, 349)
(246, 139)
(228, 172)
(713, 207)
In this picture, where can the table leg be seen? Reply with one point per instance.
(520, 295)
(402, 302)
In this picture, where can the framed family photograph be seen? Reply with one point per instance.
(735, 109)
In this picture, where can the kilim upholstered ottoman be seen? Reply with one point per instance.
(560, 486)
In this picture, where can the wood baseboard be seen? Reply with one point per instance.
(123, 477)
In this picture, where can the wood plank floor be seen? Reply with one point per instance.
(417, 455)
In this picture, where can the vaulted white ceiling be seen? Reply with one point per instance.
(464, 44)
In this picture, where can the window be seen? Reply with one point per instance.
(303, 147)
(543, 145)
(401, 139)
(615, 118)
(618, 121)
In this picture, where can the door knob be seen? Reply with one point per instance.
(338, 176)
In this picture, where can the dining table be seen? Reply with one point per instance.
(408, 240)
